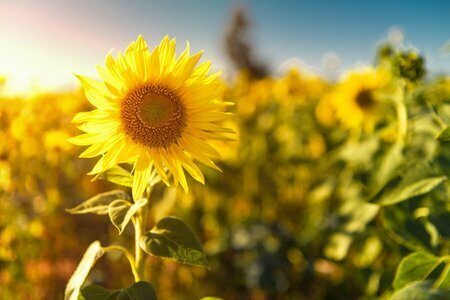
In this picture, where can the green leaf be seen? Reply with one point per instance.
(420, 291)
(359, 214)
(407, 230)
(444, 278)
(171, 238)
(389, 163)
(415, 267)
(138, 291)
(96, 292)
(99, 203)
(117, 175)
(92, 254)
(418, 180)
(338, 246)
(121, 211)
(360, 153)
(444, 135)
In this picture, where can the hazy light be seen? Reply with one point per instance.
(445, 49)
(297, 63)
(330, 61)
(396, 36)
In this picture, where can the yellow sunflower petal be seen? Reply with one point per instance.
(110, 159)
(113, 85)
(88, 139)
(166, 55)
(100, 126)
(157, 161)
(142, 172)
(187, 163)
(95, 92)
(90, 115)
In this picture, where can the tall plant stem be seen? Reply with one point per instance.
(128, 255)
(402, 116)
(139, 229)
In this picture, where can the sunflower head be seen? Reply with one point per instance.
(153, 116)
(356, 99)
(155, 111)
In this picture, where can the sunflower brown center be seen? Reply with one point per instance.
(153, 116)
(365, 99)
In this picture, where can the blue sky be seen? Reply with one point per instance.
(44, 41)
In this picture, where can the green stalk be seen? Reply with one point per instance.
(139, 230)
(402, 116)
(128, 256)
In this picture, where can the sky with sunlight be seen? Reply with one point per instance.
(42, 43)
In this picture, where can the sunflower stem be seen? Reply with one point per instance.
(139, 229)
(402, 116)
(128, 255)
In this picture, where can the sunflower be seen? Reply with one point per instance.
(155, 111)
(357, 99)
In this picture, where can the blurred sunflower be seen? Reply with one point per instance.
(155, 111)
(297, 87)
(357, 100)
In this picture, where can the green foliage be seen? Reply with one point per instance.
(172, 238)
(415, 267)
(420, 291)
(444, 135)
(121, 211)
(407, 230)
(391, 160)
(99, 204)
(138, 291)
(92, 254)
(117, 175)
(414, 181)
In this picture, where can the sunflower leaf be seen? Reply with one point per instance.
(97, 292)
(414, 181)
(172, 238)
(415, 267)
(99, 203)
(420, 291)
(92, 254)
(121, 211)
(389, 163)
(117, 175)
(138, 291)
(444, 135)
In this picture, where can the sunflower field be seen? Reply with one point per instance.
(161, 179)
